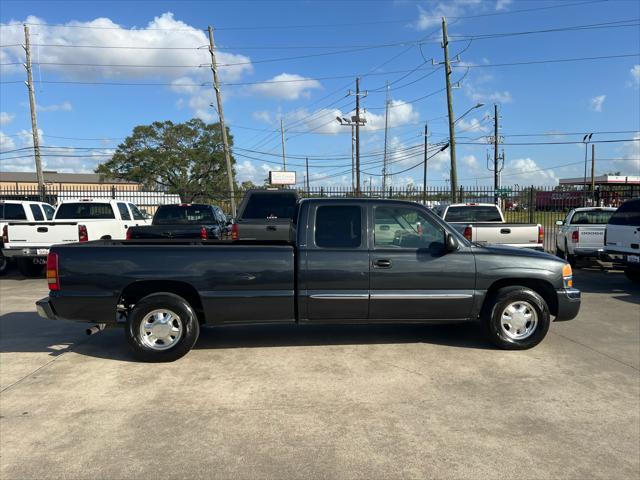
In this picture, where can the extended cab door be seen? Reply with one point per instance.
(412, 274)
(333, 262)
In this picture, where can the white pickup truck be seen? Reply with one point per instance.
(73, 221)
(622, 238)
(581, 234)
(21, 211)
(484, 223)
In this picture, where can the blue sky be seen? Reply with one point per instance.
(299, 48)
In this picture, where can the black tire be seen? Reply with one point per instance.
(633, 275)
(4, 264)
(496, 305)
(28, 268)
(571, 259)
(172, 303)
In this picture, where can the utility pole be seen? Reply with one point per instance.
(353, 159)
(32, 107)
(358, 136)
(452, 133)
(284, 157)
(496, 141)
(225, 140)
(306, 161)
(593, 169)
(424, 172)
(386, 127)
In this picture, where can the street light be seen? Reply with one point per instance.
(586, 139)
(479, 105)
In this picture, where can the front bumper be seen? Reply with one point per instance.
(45, 309)
(568, 303)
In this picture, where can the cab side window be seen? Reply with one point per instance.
(48, 211)
(37, 213)
(402, 227)
(338, 226)
(137, 214)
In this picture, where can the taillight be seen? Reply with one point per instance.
(5, 234)
(234, 232)
(575, 236)
(128, 236)
(52, 271)
(467, 232)
(203, 234)
(540, 234)
(82, 234)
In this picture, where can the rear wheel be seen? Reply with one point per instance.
(4, 264)
(633, 275)
(29, 268)
(571, 259)
(516, 318)
(162, 327)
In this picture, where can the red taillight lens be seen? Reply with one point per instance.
(540, 234)
(5, 234)
(467, 232)
(575, 236)
(128, 236)
(234, 231)
(83, 236)
(52, 271)
(203, 234)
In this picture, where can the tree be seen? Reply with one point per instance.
(183, 158)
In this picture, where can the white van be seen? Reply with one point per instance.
(622, 238)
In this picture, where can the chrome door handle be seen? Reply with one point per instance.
(382, 263)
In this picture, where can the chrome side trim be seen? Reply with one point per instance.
(339, 296)
(419, 296)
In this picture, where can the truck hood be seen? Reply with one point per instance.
(515, 252)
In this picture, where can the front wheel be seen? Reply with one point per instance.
(162, 327)
(516, 318)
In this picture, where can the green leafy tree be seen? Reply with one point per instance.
(183, 158)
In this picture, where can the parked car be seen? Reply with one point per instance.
(186, 220)
(20, 211)
(581, 234)
(343, 266)
(265, 215)
(73, 221)
(484, 223)
(622, 238)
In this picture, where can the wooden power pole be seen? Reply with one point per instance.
(357, 136)
(593, 169)
(32, 107)
(284, 156)
(452, 133)
(424, 171)
(306, 161)
(225, 140)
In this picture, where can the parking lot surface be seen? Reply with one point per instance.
(324, 401)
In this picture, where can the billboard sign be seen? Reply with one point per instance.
(282, 178)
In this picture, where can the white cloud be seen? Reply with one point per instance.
(503, 4)
(471, 125)
(429, 17)
(59, 107)
(286, 86)
(630, 157)
(263, 116)
(400, 113)
(596, 103)
(635, 76)
(525, 171)
(6, 143)
(6, 118)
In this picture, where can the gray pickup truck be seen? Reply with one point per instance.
(265, 214)
(351, 261)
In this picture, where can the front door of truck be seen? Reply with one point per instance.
(334, 264)
(412, 275)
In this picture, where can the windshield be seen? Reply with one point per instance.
(595, 217)
(84, 210)
(270, 205)
(473, 214)
(183, 214)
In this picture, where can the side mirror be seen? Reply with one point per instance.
(450, 243)
(559, 223)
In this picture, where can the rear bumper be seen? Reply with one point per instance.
(623, 258)
(45, 309)
(587, 252)
(25, 252)
(568, 303)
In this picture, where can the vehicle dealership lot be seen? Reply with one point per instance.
(337, 402)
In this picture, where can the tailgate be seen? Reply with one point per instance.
(591, 237)
(506, 234)
(41, 234)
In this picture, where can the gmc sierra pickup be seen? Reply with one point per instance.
(352, 261)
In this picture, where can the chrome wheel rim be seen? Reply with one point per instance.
(161, 329)
(518, 320)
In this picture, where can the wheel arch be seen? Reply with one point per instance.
(136, 291)
(541, 287)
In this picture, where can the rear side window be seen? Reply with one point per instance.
(338, 227)
(272, 205)
(472, 214)
(183, 214)
(13, 211)
(37, 213)
(84, 210)
(628, 214)
(48, 211)
(124, 211)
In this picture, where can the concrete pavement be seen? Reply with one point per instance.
(324, 401)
